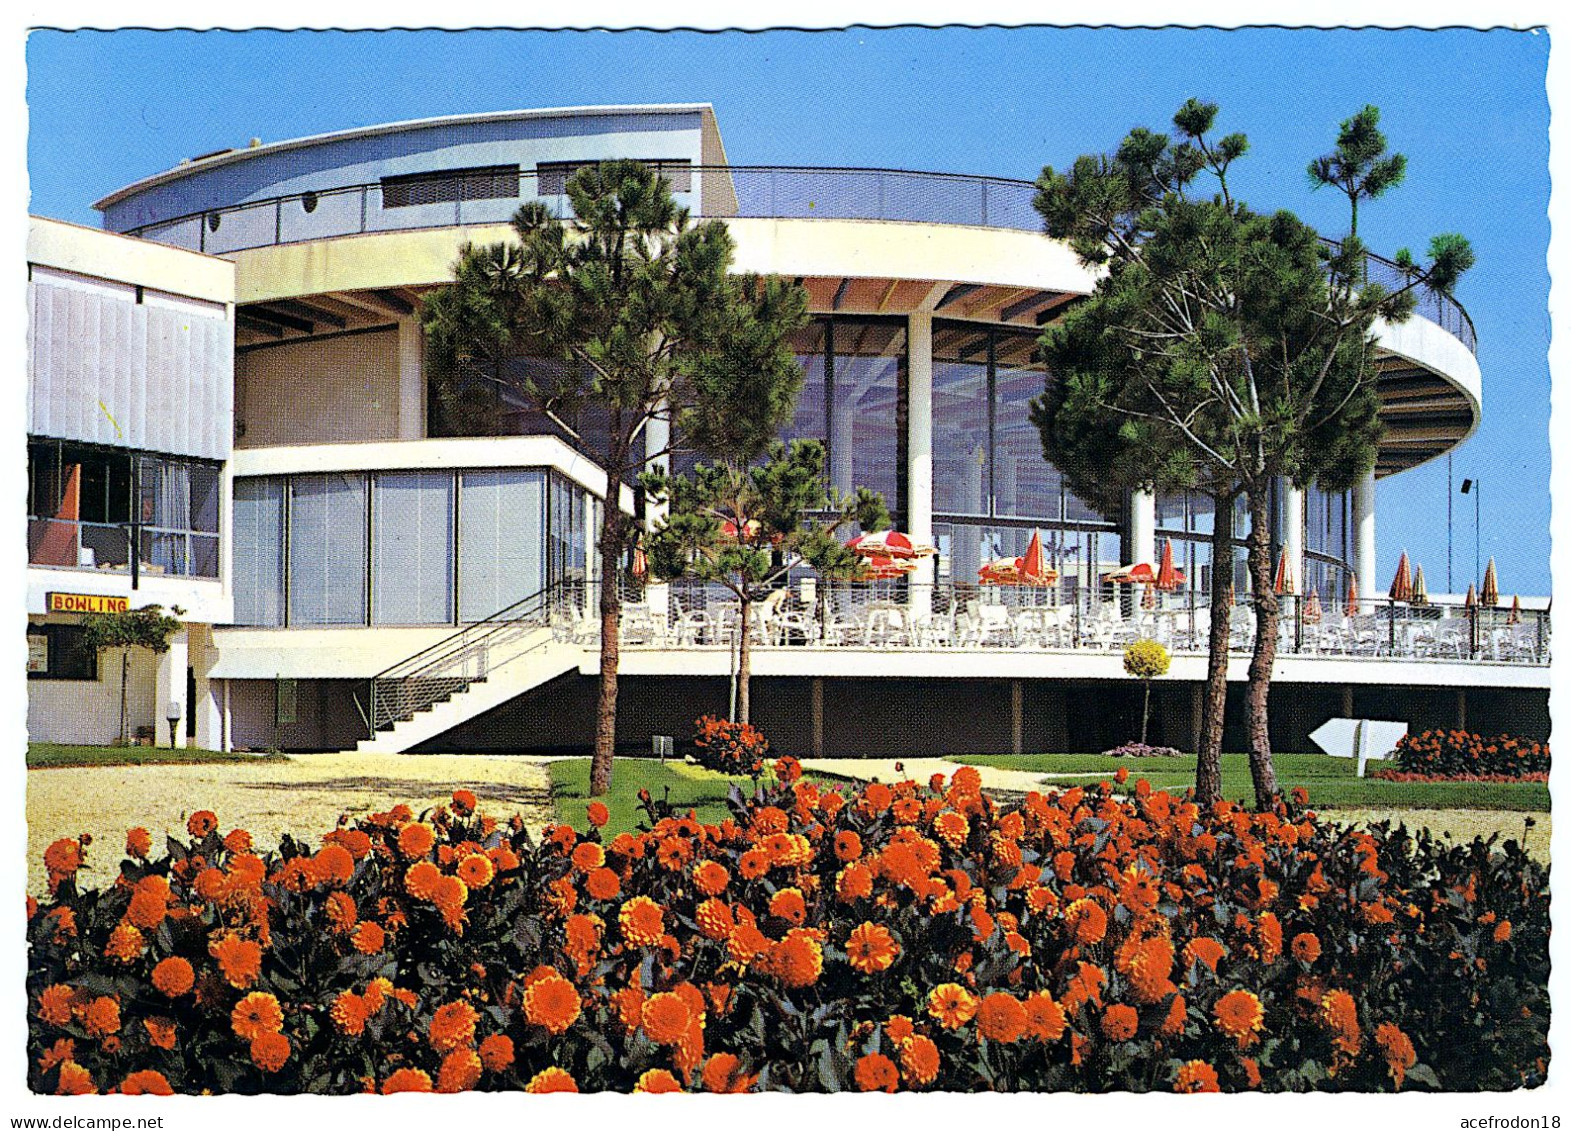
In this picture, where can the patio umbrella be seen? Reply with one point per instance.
(1140, 573)
(889, 544)
(877, 567)
(1168, 577)
(1471, 602)
(1516, 610)
(1148, 601)
(1312, 609)
(1420, 590)
(1000, 571)
(1351, 608)
(1489, 595)
(1402, 583)
(640, 563)
(1284, 575)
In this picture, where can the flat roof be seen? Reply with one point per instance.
(186, 168)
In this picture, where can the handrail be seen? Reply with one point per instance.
(748, 191)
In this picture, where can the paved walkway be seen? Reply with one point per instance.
(1459, 824)
(302, 796)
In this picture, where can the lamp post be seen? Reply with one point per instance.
(1475, 487)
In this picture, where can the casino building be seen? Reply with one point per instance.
(230, 411)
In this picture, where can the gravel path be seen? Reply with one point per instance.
(303, 796)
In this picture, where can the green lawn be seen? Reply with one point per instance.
(692, 787)
(49, 754)
(1332, 782)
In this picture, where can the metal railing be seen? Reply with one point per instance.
(454, 664)
(906, 615)
(715, 191)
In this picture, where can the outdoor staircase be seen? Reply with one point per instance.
(478, 668)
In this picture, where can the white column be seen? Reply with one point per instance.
(657, 439)
(919, 449)
(842, 435)
(208, 705)
(1141, 546)
(1364, 537)
(965, 548)
(411, 380)
(169, 689)
(1293, 535)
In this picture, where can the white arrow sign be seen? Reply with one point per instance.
(1363, 739)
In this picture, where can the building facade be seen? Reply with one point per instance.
(372, 525)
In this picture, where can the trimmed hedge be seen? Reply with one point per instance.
(904, 936)
(1442, 754)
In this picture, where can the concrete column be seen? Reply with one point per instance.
(208, 706)
(1293, 536)
(919, 443)
(842, 435)
(411, 380)
(1364, 564)
(965, 548)
(657, 438)
(170, 689)
(1141, 545)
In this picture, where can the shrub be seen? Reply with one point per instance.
(1141, 750)
(1456, 753)
(902, 936)
(1147, 659)
(730, 748)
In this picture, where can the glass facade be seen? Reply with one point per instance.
(404, 547)
(1187, 518)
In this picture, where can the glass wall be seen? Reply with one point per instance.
(404, 547)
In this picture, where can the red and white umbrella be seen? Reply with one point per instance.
(1168, 576)
(1312, 610)
(1000, 571)
(1141, 573)
(888, 544)
(881, 568)
(1351, 608)
(1284, 575)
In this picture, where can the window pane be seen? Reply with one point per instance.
(501, 540)
(865, 416)
(962, 468)
(327, 551)
(1025, 485)
(258, 552)
(412, 548)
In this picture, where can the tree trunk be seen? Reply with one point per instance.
(611, 534)
(1213, 711)
(744, 664)
(1267, 614)
(125, 672)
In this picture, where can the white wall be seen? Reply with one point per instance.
(82, 713)
(341, 389)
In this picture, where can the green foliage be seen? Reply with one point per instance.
(148, 627)
(1359, 166)
(1147, 659)
(729, 748)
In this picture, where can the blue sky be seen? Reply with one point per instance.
(1467, 107)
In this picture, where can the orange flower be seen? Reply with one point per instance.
(416, 840)
(255, 1014)
(1000, 1017)
(138, 843)
(333, 865)
(406, 1080)
(1085, 986)
(854, 882)
(270, 1051)
(460, 1072)
(1197, 1076)
(952, 828)
(666, 1018)
(62, 1050)
(202, 824)
(125, 943)
(496, 1052)
(656, 1080)
(238, 841)
(1251, 1068)
(551, 1080)
(602, 883)
(552, 1002)
(173, 977)
(350, 1012)
(340, 912)
(745, 943)
(146, 1083)
(75, 1080)
(848, 846)
(1045, 1019)
(899, 1029)
(1206, 950)
(951, 1005)
(475, 871)
(1239, 1015)
(368, 937)
(1397, 1049)
(62, 859)
(1339, 1013)
(54, 1004)
(1086, 921)
(711, 878)
(598, 814)
(588, 856)
(642, 921)
(464, 801)
(797, 960)
(1503, 931)
(452, 1025)
(788, 904)
(871, 949)
(714, 919)
(723, 1075)
(1177, 1017)
(1120, 1022)
(239, 959)
(919, 1061)
(875, 1072)
(102, 1017)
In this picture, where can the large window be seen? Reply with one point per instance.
(327, 550)
(87, 505)
(501, 539)
(412, 548)
(490, 183)
(59, 651)
(259, 552)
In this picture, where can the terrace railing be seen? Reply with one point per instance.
(721, 191)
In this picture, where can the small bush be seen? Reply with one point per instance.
(1447, 754)
(1141, 750)
(1147, 659)
(915, 936)
(730, 748)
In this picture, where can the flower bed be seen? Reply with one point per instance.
(1141, 750)
(1486, 779)
(1456, 755)
(906, 936)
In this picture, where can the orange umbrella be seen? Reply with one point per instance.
(1490, 594)
(1402, 583)
(1284, 574)
(1516, 610)
(1471, 602)
(880, 568)
(1032, 566)
(889, 544)
(640, 563)
(1351, 608)
(1312, 610)
(1140, 573)
(1168, 577)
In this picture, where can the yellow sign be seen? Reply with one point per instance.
(87, 603)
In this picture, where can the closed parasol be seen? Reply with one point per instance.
(1168, 577)
(1420, 588)
(1351, 608)
(1284, 575)
(1516, 611)
(1489, 595)
(1402, 583)
(1312, 609)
